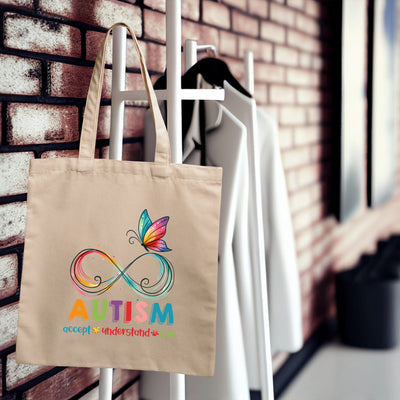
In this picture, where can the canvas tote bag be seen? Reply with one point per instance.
(120, 263)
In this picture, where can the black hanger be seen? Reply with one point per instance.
(215, 72)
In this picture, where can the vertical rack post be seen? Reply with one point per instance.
(259, 277)
(174, 123)
(190, 53)
(174, 95)
(249, 71)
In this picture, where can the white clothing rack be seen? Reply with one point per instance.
(174, 95)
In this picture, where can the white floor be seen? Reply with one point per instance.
(338, 372)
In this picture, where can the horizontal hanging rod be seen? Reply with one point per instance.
(184, 94)
(205, 47)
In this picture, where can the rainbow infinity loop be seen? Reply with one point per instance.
(96, 285)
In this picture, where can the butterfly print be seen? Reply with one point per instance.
(151, 233)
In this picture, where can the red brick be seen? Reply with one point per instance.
(292, 115)
(130, 152)
(268, 72)
(61, 154)
(299, 200)
(122, 377)
(68, 80)
(309, 174)
(242, 23)
(320, 152)
(309, 96)
(299, 4)
(99, 13)
(20, 75)
(63, 385)
(305, 60)
(302, 77)
(8, 325)
(306, 283)
(304, 239)
(14, 169)
(158, 5)
(228, 44)
(307, 135)
(304, 198)
(304, 260)
(8, 275)
(42, 123)
(313, 8)
(154, 25)
(314, 115)
(291, 180)
(285, 138)
(216, 14)
(134, 81)
(18, 374)
(319, 63)
(307, 217)
(262, 51)
(259, 7)
(12, 223)
(201, 33)
(153, 53)
(18, 3)
(132, 393)
(295, 157)
(41, 36)
(236, 67)
(307, 25)
(241, 4)
(93, 41)
(282, 14)
(304, 42)
(273, 32)
(280, 94)
(286, 56)
(155, 56)
(191, 9)
(133, 122)
(260, 93)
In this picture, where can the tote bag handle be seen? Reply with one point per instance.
(91, 115)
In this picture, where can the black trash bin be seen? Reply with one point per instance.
(368, 301)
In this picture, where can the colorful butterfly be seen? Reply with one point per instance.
(150, 233)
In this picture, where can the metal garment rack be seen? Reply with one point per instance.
(174, 95)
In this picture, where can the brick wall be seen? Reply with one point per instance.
(47, 48)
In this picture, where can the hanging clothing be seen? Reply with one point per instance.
(280, 251)
(257, 349)
(246, 238)
(226, 149)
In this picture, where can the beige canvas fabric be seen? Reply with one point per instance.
(120, 263)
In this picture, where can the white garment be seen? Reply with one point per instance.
(283, 277)
(258, 354)
(226, 149)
